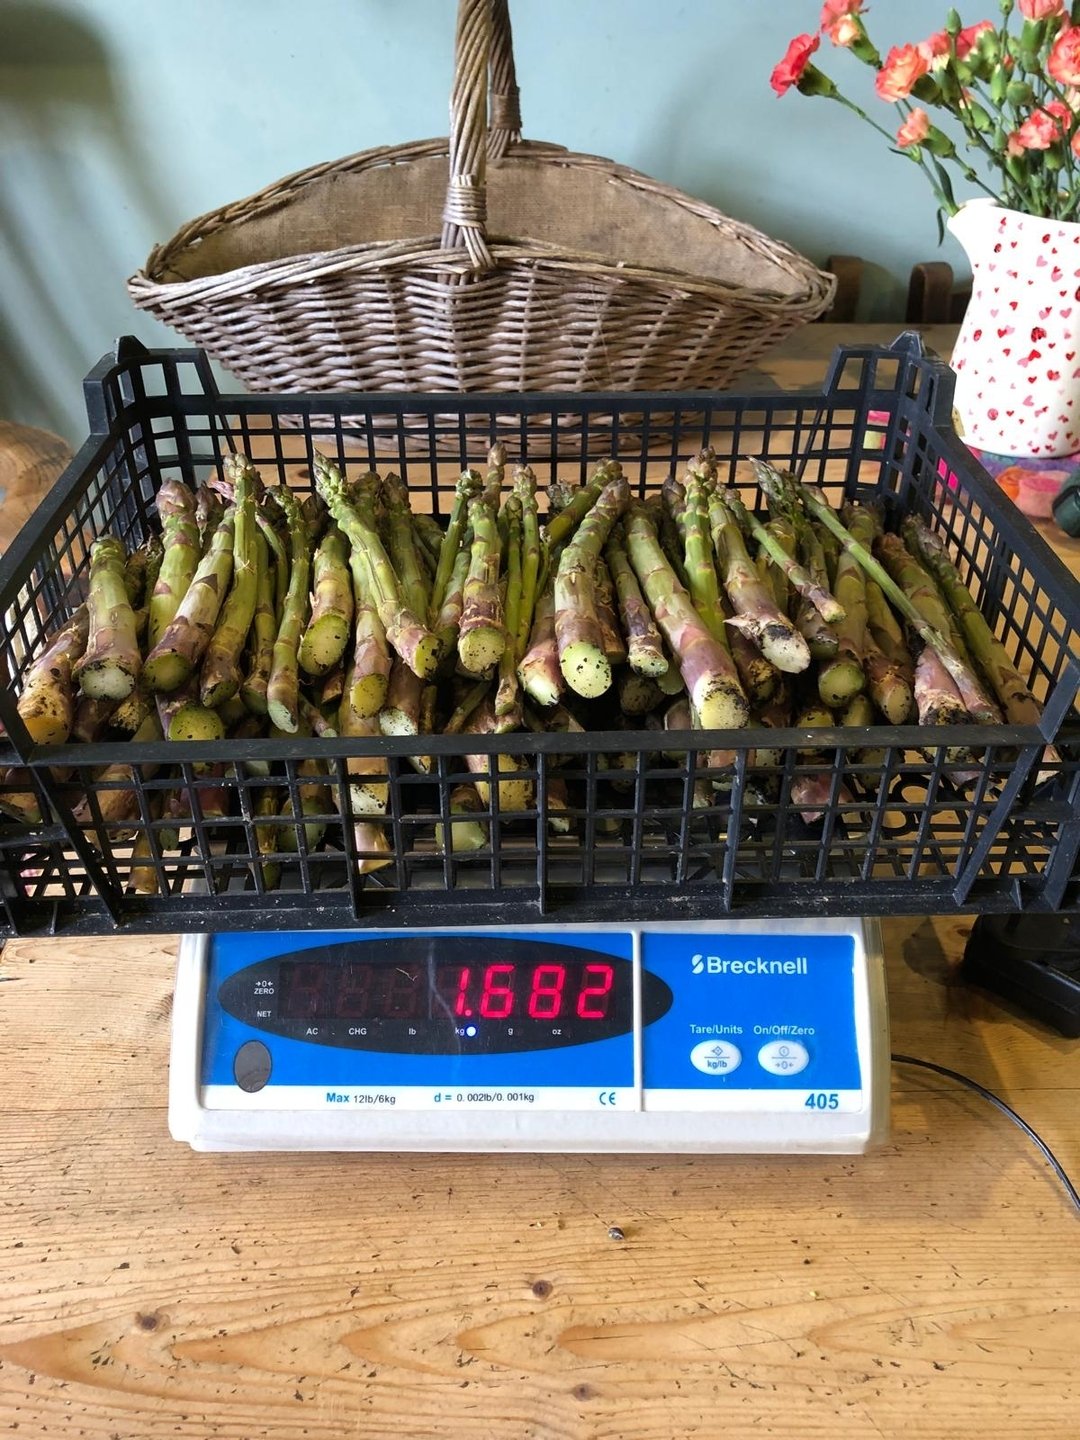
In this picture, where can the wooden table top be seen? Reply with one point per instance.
(931, 1288)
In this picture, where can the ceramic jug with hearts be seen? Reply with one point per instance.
(1017, 357)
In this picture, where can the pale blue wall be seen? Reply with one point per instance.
(121, 119)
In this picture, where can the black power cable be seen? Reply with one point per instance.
(1007, 1110)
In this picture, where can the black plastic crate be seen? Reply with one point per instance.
(903, 831)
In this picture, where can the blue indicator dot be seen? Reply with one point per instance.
(470, 1030)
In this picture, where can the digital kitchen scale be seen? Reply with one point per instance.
(733, 1037)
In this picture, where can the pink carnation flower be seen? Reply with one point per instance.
(935, 50)
(1063, 62)
(969, 38)
(838, 20)
(1041, 9)
(903, 67)
(790, 69)
(914, 130)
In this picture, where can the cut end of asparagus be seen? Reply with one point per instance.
(283, 717)
(719, 704)
(166, 671)
(196, 722)
(323, 644)
(481, 648)
(585, 668)
(839, 681)
(781, 644)
(107, 679)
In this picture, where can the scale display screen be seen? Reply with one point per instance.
(441, 994)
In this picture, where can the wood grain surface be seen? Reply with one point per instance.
(930, 1289)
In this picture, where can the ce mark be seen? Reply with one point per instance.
(607, 1097)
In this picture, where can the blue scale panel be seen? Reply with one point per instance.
(420, 1008)
(753, 1012)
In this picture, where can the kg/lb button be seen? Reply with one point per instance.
(783, 1057)
(716, 1057)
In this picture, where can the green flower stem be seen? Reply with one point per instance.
(942, 198)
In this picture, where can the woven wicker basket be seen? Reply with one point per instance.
(552, 271)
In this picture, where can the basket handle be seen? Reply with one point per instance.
(483, 43)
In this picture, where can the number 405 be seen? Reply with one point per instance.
(822, 1100)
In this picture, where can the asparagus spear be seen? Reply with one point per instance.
(151, 569)
(584, 666)
(638, 694)
(668, 511)
(884, 628)
(495, 473)
(514, 793)
(91, 718)
(430, 537)
(466, 489)
(842, 678)
(615, 650)
(466, 833)
(563, 524)
(400, 712)
(46, 705)
(263, 631)
(327, 632)
(266, 835)
(278, 561)
(481, 632)
(282, 689)
(209, 510)
(756, 612)
(404, 630)
(889, 684)
(182, 550)
(1020, 706)
(114, 789)
(936, 696)
(645, 651)
(507, 697)
(808, 620)
(800, 578)
(183, 716)
(700, 565)
(373, 850)
(955, 664)
(539, 671)
(367, 795)
(465, 707)
(919, 589)
(705, 665)
(220, 670)
(525, 490)
(110, 664)
(403, 544)
(316, 516)
(449, 617)
(184, 640)
(316, 807)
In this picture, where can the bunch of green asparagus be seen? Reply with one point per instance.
(256, 612)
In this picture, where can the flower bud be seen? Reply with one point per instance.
(999, 86)
(940, 144)
(953, 23)
(979, 118)
(927, 90)
(1020, 94)
(813, 81)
